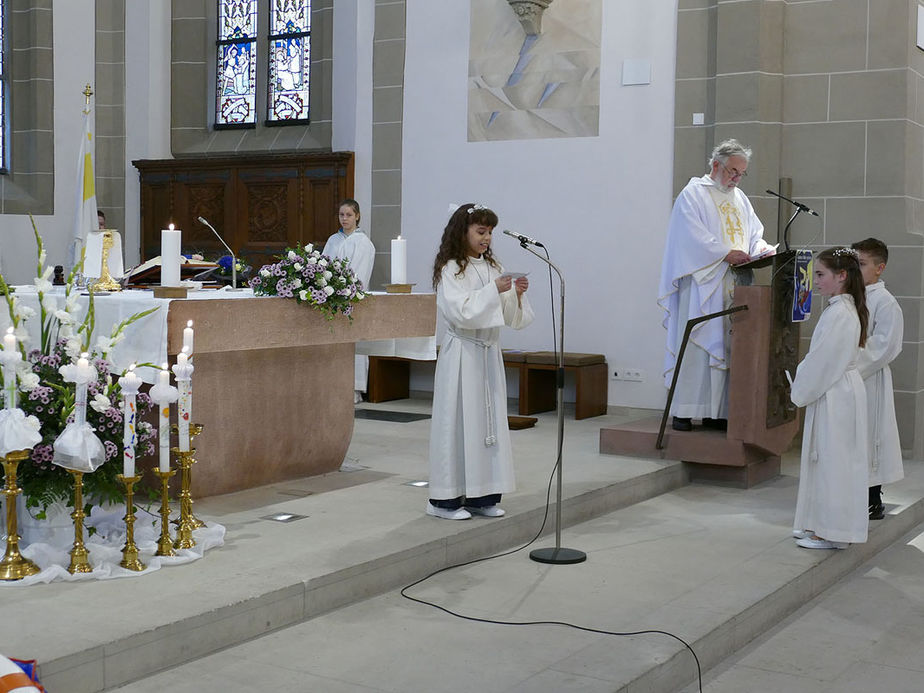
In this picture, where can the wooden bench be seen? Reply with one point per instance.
(537, 376)
(389, 379)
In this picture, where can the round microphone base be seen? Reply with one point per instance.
(558, 555)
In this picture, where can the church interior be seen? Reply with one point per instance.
(578, 122)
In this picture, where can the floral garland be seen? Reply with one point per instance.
(63, 337)
(307, 276)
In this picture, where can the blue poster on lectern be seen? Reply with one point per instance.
(802, 295)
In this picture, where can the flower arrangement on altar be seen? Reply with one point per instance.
(45, 393)
(304, 274)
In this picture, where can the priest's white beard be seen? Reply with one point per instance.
(724, 189)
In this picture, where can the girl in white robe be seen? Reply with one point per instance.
(886, 330)
(831, 504)
(351, 243)
(471, 460)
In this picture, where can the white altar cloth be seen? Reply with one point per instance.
(146, 340)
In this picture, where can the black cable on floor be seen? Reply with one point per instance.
(587, 629)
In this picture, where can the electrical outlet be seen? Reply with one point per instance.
(629, 374)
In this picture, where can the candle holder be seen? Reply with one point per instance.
(130, 550)
(80, 557)
(184, 530)
(165, 543)
(14, 566)
(194, 430)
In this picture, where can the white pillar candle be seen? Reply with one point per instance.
(398, 261)
(163, 394)
(130, 384)
(184, 370)
(11, 358)
(188, 337)
(170, 243)
(84, 374)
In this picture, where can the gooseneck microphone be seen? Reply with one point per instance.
(230, 252)
(524, 239)
(801, 207)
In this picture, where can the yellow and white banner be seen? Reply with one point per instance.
(85, 217)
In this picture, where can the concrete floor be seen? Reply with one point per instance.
(314, 605)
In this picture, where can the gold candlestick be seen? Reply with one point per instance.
(194, 430)
(165, 543)
(130, 550)
(106, 282)
(80, 557)
(184, 537)
(14, 565)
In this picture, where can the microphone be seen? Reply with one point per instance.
(524, 239)
(801, 207)
(230, 252)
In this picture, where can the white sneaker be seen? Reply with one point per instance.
(487, 511)
(802, 533)
(447, 514)
(810, 543)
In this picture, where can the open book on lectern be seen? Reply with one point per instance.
(148, 272)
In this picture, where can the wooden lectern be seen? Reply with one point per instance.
(762, 421)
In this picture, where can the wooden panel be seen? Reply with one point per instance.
(260, 204)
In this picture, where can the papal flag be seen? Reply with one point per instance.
(85, 218)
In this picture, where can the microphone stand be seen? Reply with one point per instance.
(230, 252)
(557, 555)
(799, 208)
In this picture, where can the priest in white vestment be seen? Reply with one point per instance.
(713, 227)
(883, 345)
(351, 243)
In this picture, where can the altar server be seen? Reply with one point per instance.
(351, 243)
(834, 474)
(471, 460)
(886, 327)
(713, 227)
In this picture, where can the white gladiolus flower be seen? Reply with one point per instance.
(293, 255)
(309, 247)
(50, 304)
(104, 344)
(70, 303)
(100, 403)
(72, 348)
(42, 257)
(297, 267)
(64, 318)
(303, 295)
(65, 331)
(28, 381)
(24, 312)
(328, 290)
(328, 275)
(322, 262)
(22, 334)
(43, 286)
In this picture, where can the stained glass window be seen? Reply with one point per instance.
(236, 63)
(289, 60)
(3, 90)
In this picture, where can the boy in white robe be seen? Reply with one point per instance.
(351, 243)
(833, 474)
(886, 326)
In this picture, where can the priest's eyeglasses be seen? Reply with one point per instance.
(735, 173)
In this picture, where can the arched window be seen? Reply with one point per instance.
(289, 60)
(242, 38)
(3, 88)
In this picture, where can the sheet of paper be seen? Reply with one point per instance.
(514, 275)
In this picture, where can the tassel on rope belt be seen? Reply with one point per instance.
(491, 435)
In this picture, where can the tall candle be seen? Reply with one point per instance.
(398, 261)
(163, 394)
(170, 243)
(10, 360)
(183, 370)
(188, 337)
(84, 374)
(130, 384)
